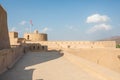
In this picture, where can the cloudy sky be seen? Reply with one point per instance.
(65, 19)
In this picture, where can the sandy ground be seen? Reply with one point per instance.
(46, 66)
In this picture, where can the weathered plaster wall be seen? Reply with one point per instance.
(101, 52)
(14, 40)
(37, 47)
(91, 67)
(56, 45)
(8, 57)
(4, 38)
(107, 57)
(13, 36)
(35, 36)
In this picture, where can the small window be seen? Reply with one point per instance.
(28, 37)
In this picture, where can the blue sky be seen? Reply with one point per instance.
(65, 19)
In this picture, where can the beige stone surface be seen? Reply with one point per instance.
(8, 57)
(13, 35)
(14, 39)
(36, 36)
(102, 56)
(4, 37)
(93, 68)
(56, 45)
(50, 66)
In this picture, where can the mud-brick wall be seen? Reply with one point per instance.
(4, 37)
(8, 57)
(78, 44)
(108, 57)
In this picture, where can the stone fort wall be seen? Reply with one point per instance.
(76, 44)
(8, 57)
(14, 39)
(36, 36)
(106, 57)
(4, 37)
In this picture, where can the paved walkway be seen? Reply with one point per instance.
(46, 66)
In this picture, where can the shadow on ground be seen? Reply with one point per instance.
(18, 72)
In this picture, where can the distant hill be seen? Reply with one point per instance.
(114, 38)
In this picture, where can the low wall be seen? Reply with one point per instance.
(8, 57)
(109, 58)
(36, 47)
(56, 45)
(90, 67)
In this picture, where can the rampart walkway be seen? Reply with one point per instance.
(46, 66)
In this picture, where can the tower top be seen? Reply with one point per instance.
(36, 31)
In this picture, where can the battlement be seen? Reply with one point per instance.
(76, 44)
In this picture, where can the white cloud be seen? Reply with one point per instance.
(71, 27)
(99, 27)
(45, 29)
(96, 18)
(13, 29)
(22, 22)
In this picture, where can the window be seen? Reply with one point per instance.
(33, 47)
(28, 37)
(42, 47)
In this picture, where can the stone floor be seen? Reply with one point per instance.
(46, 66)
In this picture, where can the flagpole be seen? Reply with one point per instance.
(30, 28)
(31, 24)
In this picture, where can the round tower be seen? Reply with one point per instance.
(35, 36)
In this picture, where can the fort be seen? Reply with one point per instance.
(55, 60)
(41, 38)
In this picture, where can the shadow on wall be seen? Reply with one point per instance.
(19, 71)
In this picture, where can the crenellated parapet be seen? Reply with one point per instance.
(76, 44)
